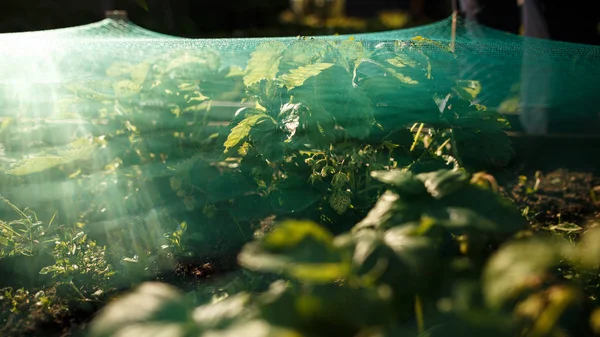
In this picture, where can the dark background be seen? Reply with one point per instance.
(572, 21)
(188, 18)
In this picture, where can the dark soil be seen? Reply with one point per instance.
(555, 197)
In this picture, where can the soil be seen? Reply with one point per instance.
(557, 197)
(546, 198)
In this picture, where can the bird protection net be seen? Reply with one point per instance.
(136, 137)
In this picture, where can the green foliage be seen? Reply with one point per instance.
(80, 261)
(446, 197)
(26, 236)
(362, 154)
(408, 279)
(299, 249)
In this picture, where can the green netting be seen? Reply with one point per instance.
(112, 126)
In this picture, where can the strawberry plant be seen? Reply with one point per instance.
(407, 274)
(330, 113)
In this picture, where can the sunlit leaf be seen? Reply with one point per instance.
(241, 131)
(468, 89)
(296, 77)
(219, 315)
(290, 233)
(300, 249)
(35, 164)
(264, 62)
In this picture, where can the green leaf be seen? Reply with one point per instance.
(383, 214)
(299, 249)
(461, 220)
(566, 227)
(402, 181)
(327, 309)
(468, 89)
(402, 78)
(4, 241)
(294, 195)
(291, 233)
(153, 309)
(242, 130)
(400, 257)
(222, 313)
(264, 62)
(296, 77)
(35, 164)
(443, 182)
(517, 267)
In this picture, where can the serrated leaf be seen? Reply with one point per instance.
(242, 130)
(76, 154)
(296, 77)
(264, 62)
(35, 164)
(126, 88)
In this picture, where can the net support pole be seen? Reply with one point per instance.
(454, 18)
(117, 15)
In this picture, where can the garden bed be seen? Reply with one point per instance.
(559, 201)
(340, 175)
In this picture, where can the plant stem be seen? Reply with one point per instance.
(419, 314)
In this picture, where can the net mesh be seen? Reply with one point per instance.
(117, 128)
